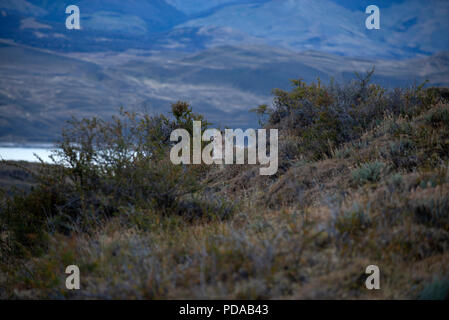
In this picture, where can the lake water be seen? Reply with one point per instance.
(25, 153)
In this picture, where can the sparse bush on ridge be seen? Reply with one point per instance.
(324, 117)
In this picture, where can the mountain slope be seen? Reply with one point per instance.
(407, 28)
(40, 89)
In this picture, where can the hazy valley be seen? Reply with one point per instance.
(145, 55)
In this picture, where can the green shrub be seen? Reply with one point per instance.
(398, 126)
(369, 172)
(110, 164)
(437, 290)
(101, 166)
(342, 153)
(325, 117)
(395, 182)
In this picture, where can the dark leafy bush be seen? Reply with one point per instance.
(432, 212)
(289, 151)
(101, 166)
(324, 117)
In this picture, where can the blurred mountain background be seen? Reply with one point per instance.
(223, 56)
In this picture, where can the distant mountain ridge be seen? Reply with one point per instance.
(408, 28)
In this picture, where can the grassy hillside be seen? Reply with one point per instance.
(363, 179)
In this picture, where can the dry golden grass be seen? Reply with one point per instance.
(308, 233)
